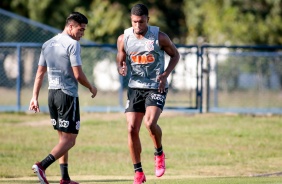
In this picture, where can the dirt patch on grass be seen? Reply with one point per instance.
(36, 123)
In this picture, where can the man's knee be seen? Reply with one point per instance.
(69, 139)
(133, 130)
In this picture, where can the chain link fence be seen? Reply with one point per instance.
(244, 79)
(20, 45)
(18, 65)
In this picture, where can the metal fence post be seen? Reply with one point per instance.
(121, 91)
(19, 78)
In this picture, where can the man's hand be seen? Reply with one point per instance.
(34, 105)
(122, 70)
(93, 90)
(162, 81)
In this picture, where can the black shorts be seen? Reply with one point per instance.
(139, 99)
(64, 111)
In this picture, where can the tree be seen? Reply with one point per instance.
(234, 21)
(185, 21)
(106, 20)
(106, 25)
(50, 12)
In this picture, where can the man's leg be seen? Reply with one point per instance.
(63, 161)
(134, 121)
(66, 142)
(151, 118)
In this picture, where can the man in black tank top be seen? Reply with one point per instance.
(143, 47)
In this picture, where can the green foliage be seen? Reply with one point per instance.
(185, 21)
(234, 21)
(50, 12)
(105, 20)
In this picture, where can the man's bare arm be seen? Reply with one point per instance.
(121, 57)
(34, 105)
(167, 45)
(81, 78)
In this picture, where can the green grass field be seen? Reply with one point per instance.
(200, 148)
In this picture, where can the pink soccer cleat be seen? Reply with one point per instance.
(139, 178)
(160, 165)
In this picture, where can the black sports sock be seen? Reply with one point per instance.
(159, 151)
(64, 171)
(47, 161)
(138, 167)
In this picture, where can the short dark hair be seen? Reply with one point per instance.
(77, 17)
(139, 10)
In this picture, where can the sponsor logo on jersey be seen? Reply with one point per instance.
(142, 59)
(63, 123)
(54, 81)
(149, 45)
(55, 71)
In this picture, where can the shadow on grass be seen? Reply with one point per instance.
(53, 181)
(103, 181)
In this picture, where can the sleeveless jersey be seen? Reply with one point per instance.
(60, 54)
(145, 57)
